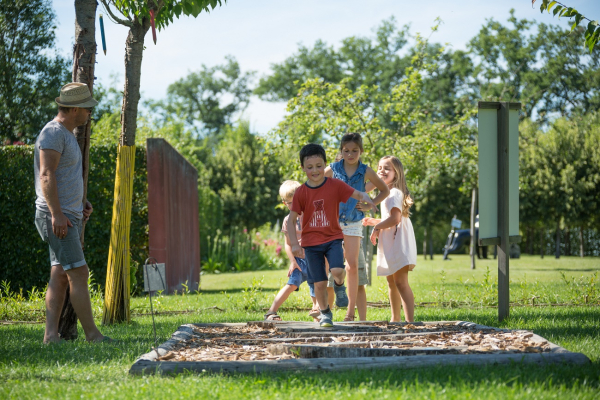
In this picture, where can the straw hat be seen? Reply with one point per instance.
(76, 95)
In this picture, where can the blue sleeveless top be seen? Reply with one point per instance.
(348, 211)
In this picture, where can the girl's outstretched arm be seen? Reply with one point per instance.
(368, 221)
(363, 197)
(391, 221)
(328, 172)
(374, 181)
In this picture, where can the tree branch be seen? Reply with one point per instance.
(126, 22)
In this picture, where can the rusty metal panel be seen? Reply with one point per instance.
(174, 236)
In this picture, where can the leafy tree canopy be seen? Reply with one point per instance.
(208, 99)
(31, 73)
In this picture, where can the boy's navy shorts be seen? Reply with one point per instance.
(297, 277)
(316, 255)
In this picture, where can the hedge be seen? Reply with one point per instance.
(25, 256)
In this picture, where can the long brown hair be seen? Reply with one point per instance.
(399, 183)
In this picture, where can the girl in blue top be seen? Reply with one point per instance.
(353, 172)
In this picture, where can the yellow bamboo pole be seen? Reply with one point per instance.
(117, 291)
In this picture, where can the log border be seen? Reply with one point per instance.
(147, 364)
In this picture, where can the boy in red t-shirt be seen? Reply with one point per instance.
(318, 201)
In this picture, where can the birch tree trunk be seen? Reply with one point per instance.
(84, 59)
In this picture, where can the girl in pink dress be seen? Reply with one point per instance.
(397, 248)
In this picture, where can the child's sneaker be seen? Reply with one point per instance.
(341, 298)
(326, 319)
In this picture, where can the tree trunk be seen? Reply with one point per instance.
(542, 242)
(117, 290)
(557, 245)
(134, 51)
(567, 241)
(425, 244)
(430, 246)
(84, 59)
(473, 239)
(581, 252)
(530, 239)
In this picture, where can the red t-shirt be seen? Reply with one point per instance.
(319, 207)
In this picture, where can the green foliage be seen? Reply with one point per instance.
(245, 177)
(370, 62)
(208, 99)
(167, 9)
(243, 250)
(545, 70)
(438, 157)
(560, 181)
(592, 33)
(31, 73)
(27, 261)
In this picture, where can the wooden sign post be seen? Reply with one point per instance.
(498, 143)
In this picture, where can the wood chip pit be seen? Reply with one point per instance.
(288, 345)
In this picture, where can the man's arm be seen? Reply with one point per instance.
(297, 251)
(49, 160)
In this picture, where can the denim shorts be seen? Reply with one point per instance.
(67, 251)
(297, 277)
(316, 255)
(362, 270)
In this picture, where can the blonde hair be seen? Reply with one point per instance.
(399, 183)
(288, 188)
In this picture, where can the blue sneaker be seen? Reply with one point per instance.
(326, 320)
(341, 298)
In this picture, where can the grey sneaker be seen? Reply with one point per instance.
(341, 298)
(326, 320)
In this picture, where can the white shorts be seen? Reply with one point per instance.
(352, 228)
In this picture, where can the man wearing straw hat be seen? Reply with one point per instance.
(60, 210)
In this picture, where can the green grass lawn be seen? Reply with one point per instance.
(446, 290)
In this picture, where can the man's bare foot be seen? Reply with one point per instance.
(53, 339)
(94, 338)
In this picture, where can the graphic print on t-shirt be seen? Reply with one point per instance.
(319, 219)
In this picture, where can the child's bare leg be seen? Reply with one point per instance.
(408, 299)
(361, 303)
(351, 248)
(330, 296)
(321, 295)
(315, 306)
(282, 296)
(395, 299)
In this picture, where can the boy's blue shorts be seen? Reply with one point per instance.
(316, 255)
(298, 277)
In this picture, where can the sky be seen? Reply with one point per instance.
(259, 33)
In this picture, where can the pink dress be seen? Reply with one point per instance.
(397, 246)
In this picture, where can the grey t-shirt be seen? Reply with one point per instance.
(69, 179)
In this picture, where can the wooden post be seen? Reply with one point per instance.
(472, 249)
(503, 213)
